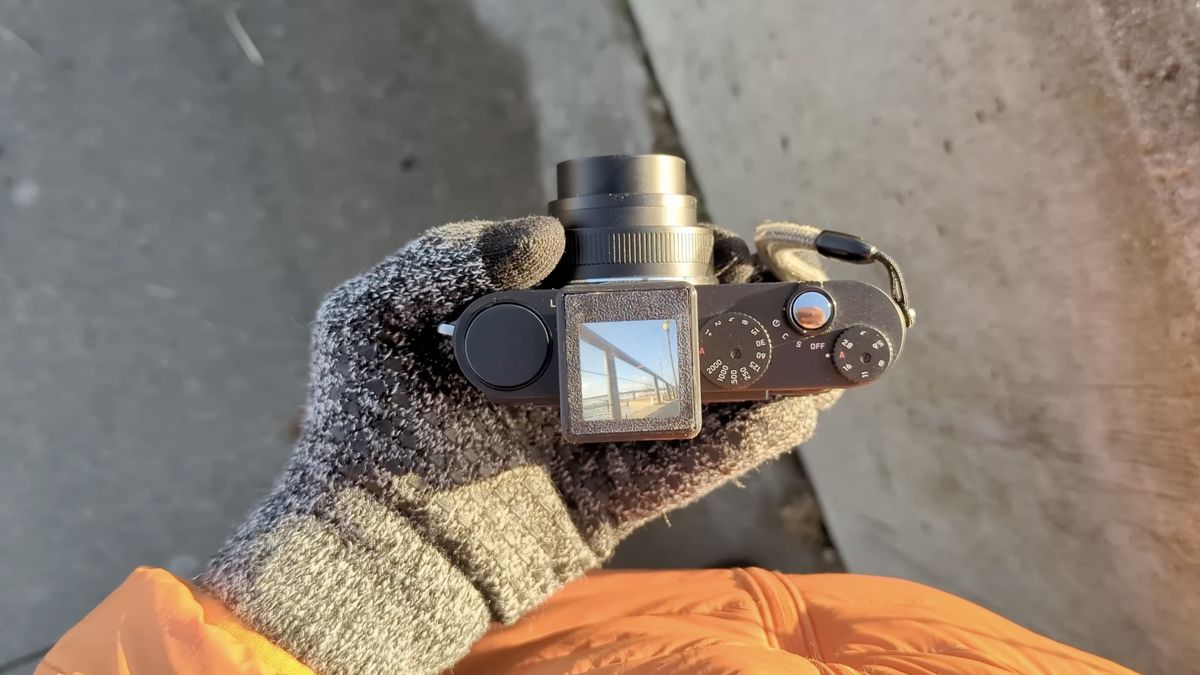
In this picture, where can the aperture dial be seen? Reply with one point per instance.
(735, 350)
(861, 353)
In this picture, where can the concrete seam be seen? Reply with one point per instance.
(667, 138)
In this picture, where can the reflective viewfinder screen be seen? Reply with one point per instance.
(629, 369)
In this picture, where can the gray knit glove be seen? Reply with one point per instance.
(414, 512)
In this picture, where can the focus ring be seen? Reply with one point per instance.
(675, 245)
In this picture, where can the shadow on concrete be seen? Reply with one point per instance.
(172, 215)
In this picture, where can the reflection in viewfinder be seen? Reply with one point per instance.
(629, 369)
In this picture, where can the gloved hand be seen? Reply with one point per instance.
(414, 512)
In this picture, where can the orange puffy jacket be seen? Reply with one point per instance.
(700, 621)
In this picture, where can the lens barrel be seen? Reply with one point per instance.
(629, 217)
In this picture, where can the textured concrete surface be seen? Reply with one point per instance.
(1033, 166)
(171, 213)
(768, 518)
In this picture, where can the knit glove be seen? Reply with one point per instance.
(414, 512)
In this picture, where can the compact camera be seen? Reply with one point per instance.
(641, 334)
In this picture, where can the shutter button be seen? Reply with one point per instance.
(810, 310)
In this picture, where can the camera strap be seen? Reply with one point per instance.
(787, 249)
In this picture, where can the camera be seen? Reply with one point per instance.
(639, 334)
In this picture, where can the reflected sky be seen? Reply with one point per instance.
(644, 362)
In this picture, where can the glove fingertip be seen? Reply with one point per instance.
(732, 259)
(825, 400)
(521, 252)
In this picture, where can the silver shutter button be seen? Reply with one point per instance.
(810, 310)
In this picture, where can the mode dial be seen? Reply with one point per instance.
(861, 353)
(735, 350)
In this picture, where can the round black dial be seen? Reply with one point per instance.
(735, 350)
(861, 353)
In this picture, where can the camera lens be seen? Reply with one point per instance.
(629, 217)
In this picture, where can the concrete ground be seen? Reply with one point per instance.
(176, 203)
(1033, 165)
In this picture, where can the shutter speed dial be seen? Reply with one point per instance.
(861, 354)
(735, 350)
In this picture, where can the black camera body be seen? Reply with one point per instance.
(643, 336)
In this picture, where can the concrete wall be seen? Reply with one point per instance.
(1033, 166)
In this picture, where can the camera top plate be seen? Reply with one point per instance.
(801, 360)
